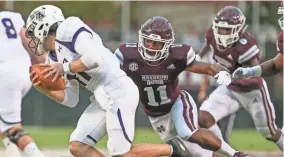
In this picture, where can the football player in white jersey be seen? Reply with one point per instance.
(14, 85)
(79, 55)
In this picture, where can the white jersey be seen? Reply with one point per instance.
(67, 40)
(11, 46)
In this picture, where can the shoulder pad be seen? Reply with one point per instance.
(68, 28)
(129, 50)
(179, 51)
(247, 47)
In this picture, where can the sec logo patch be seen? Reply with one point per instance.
(133, 66)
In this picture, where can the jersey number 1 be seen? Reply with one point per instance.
(151, 96)
(9, 28)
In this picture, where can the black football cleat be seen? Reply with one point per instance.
(179, 149)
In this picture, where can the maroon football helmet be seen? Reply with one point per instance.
(156, 30)
(228, 26)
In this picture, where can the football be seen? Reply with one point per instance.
(47, 82)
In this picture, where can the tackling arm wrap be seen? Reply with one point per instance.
(269, 68)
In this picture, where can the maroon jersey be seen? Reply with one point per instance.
(158, 85)
(280, 43)
(242, 51)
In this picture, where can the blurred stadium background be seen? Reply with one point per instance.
(116, 22)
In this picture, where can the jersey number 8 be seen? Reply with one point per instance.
(9, 28)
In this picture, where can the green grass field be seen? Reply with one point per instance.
(55, 137)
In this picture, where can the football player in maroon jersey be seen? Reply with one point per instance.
(154, 64)
(234, 47)
(270, 67)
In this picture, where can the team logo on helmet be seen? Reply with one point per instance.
(243, 41)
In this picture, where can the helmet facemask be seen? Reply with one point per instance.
(225, 41)
(36, 43)
(153, 55)
(281, 19)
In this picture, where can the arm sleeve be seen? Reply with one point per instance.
(90, 50)
(71, 92)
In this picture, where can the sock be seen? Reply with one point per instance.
(32, 150)
(216, 131)
(280, 142)
(226, 149)
(11, 149)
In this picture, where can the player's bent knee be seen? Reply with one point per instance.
(78, 148)
(205, 119)
(15, 135)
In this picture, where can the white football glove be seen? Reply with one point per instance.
(242, 73)
(197, 58)
(223, 78)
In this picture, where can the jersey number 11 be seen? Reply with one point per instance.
(151, 96)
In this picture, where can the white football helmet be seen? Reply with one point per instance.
(40, 22)
(281, 20)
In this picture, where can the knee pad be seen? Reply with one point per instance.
(16, 135)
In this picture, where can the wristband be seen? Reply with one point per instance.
(66, 67)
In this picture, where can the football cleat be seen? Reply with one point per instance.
(179, 149)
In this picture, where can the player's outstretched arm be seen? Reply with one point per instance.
(205, 79)
(267, 68)
(272, 66)
(205, 68)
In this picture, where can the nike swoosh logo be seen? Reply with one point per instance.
(182, 147)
